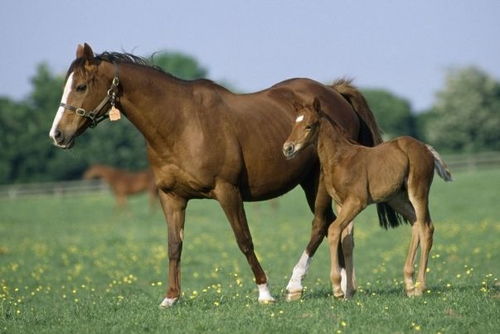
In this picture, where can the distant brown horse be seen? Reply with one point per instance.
(204, 141)
(124, 183)
(398, 172)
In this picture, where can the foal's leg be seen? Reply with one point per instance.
(425, 233)
(348, 280)
(403, 205)
(349, 211)
(174, 208)
(231, 202)
(320, 204)
(419, 181)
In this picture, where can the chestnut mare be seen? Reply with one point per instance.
(205, 142)
(124, 183)
(398, 172)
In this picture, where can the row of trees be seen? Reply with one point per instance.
(464, 118)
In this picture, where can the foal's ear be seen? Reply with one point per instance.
(84, 51)
(317, 105)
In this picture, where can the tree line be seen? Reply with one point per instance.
(464, 118)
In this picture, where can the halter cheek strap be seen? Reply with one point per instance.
(96, 116)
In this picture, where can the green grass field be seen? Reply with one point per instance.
(76, 265)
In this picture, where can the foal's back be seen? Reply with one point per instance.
(391, 165)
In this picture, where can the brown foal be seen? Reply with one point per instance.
(398, 172)
(124, 183)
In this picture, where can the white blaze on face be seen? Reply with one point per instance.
(299, 119)
(60, 111)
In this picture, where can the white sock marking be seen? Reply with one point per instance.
(343, 280)
(168, 302)
(299, 271)
(264, 294)
(60, 110)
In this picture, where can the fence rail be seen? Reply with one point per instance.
(457, 162)
(53, 188)
(473, 161)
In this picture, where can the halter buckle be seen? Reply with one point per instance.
(80, 112)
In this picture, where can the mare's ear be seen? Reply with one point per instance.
(84, 51)
(317, 105)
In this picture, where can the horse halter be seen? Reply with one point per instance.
(93, 115)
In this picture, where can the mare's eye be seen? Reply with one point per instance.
(81, 88)
(308, 127)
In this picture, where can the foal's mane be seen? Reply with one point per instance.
(338, 128)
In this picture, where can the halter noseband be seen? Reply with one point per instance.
(93, 115)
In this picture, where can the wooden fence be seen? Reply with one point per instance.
(459, 162)
(53, 188)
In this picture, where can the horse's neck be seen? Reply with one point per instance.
(332, 144)
(151, 100)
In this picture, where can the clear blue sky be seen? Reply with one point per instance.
(403, 46)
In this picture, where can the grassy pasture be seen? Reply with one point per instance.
(76, 265)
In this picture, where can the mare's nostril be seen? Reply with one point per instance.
(58, 136)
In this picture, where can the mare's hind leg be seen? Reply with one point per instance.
(231, 202)
(348, 274)
(320, 204)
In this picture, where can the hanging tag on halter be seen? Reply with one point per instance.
(114, 114)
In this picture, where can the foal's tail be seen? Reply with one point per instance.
(369, 135)
(439, 165)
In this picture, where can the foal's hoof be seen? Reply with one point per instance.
(293, 295)
(414, 293)
(339, 294)
(168, 302)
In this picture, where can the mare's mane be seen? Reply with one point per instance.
(128, 58)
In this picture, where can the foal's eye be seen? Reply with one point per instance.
(81, 88)
(308, 127)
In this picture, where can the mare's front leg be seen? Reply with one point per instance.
(174, 208)
(349, 211)
(231, 202)
(320, 204)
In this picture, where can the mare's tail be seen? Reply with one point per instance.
(439, 165)
(369, 135)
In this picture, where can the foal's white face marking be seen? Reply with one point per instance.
(299, 119)
(60, 111)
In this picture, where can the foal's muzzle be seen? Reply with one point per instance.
(289, 150)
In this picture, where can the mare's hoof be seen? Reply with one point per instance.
(293, 295)
(267, 301)
(168, 302)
